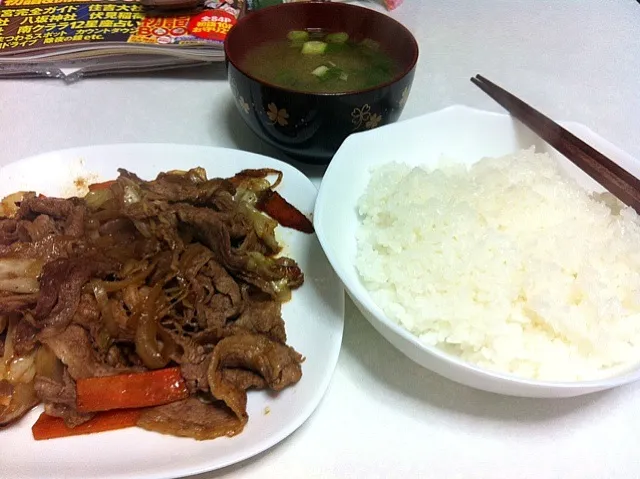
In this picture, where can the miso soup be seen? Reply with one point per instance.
(320, 62)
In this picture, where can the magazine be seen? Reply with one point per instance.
(59, 38)
(257, 4)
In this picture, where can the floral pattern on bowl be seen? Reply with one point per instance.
(277, 115)
(311, 127)
(364, 116)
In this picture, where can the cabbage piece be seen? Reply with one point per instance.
(20, 275)
(9, 204)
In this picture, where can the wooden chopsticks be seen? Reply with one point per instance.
(618, 181)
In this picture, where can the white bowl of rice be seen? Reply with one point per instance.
(484, 255)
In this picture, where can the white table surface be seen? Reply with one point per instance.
(383, 416)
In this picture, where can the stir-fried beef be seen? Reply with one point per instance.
(261, 315)
(192, 187)
(192, 418)
(271, 275)
(59, 398)
(74, 348)
(243, 379)
(211, 229)
(46, 249)
(187, 351)
(87, 313)
(71, 416)
(27, 230)
(277, 364)
(61, 284)
(74, 225)
(36, 230)
(224, 285)
(140, 275)
(195, 374)
(217, 296)
(116, 358)
(118, 226)
(56, 392)
(8, 231)
(38, 217)
(192, 260)
(33, 206)
(24, 337)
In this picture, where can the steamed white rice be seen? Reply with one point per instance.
(508, 264)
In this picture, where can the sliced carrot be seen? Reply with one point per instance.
(283, 212)
(101, 186)
(50, 427)
(124, 391)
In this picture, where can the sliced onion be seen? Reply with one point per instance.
(20, 275)
(96, 199)
(131, 195)
(24, 397)
(22, 369)
(135, 280)
(105, 308)
(19, 268)
(263, 226)
(8, 350)
(48, 364)
(146, 340)
(20, 285)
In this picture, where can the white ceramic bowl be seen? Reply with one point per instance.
(467, 135)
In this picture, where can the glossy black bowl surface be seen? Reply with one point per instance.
(311, 126)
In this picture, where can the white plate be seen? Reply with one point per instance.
(464, 134)
(314, 320)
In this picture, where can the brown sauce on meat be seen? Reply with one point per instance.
(140, 275)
